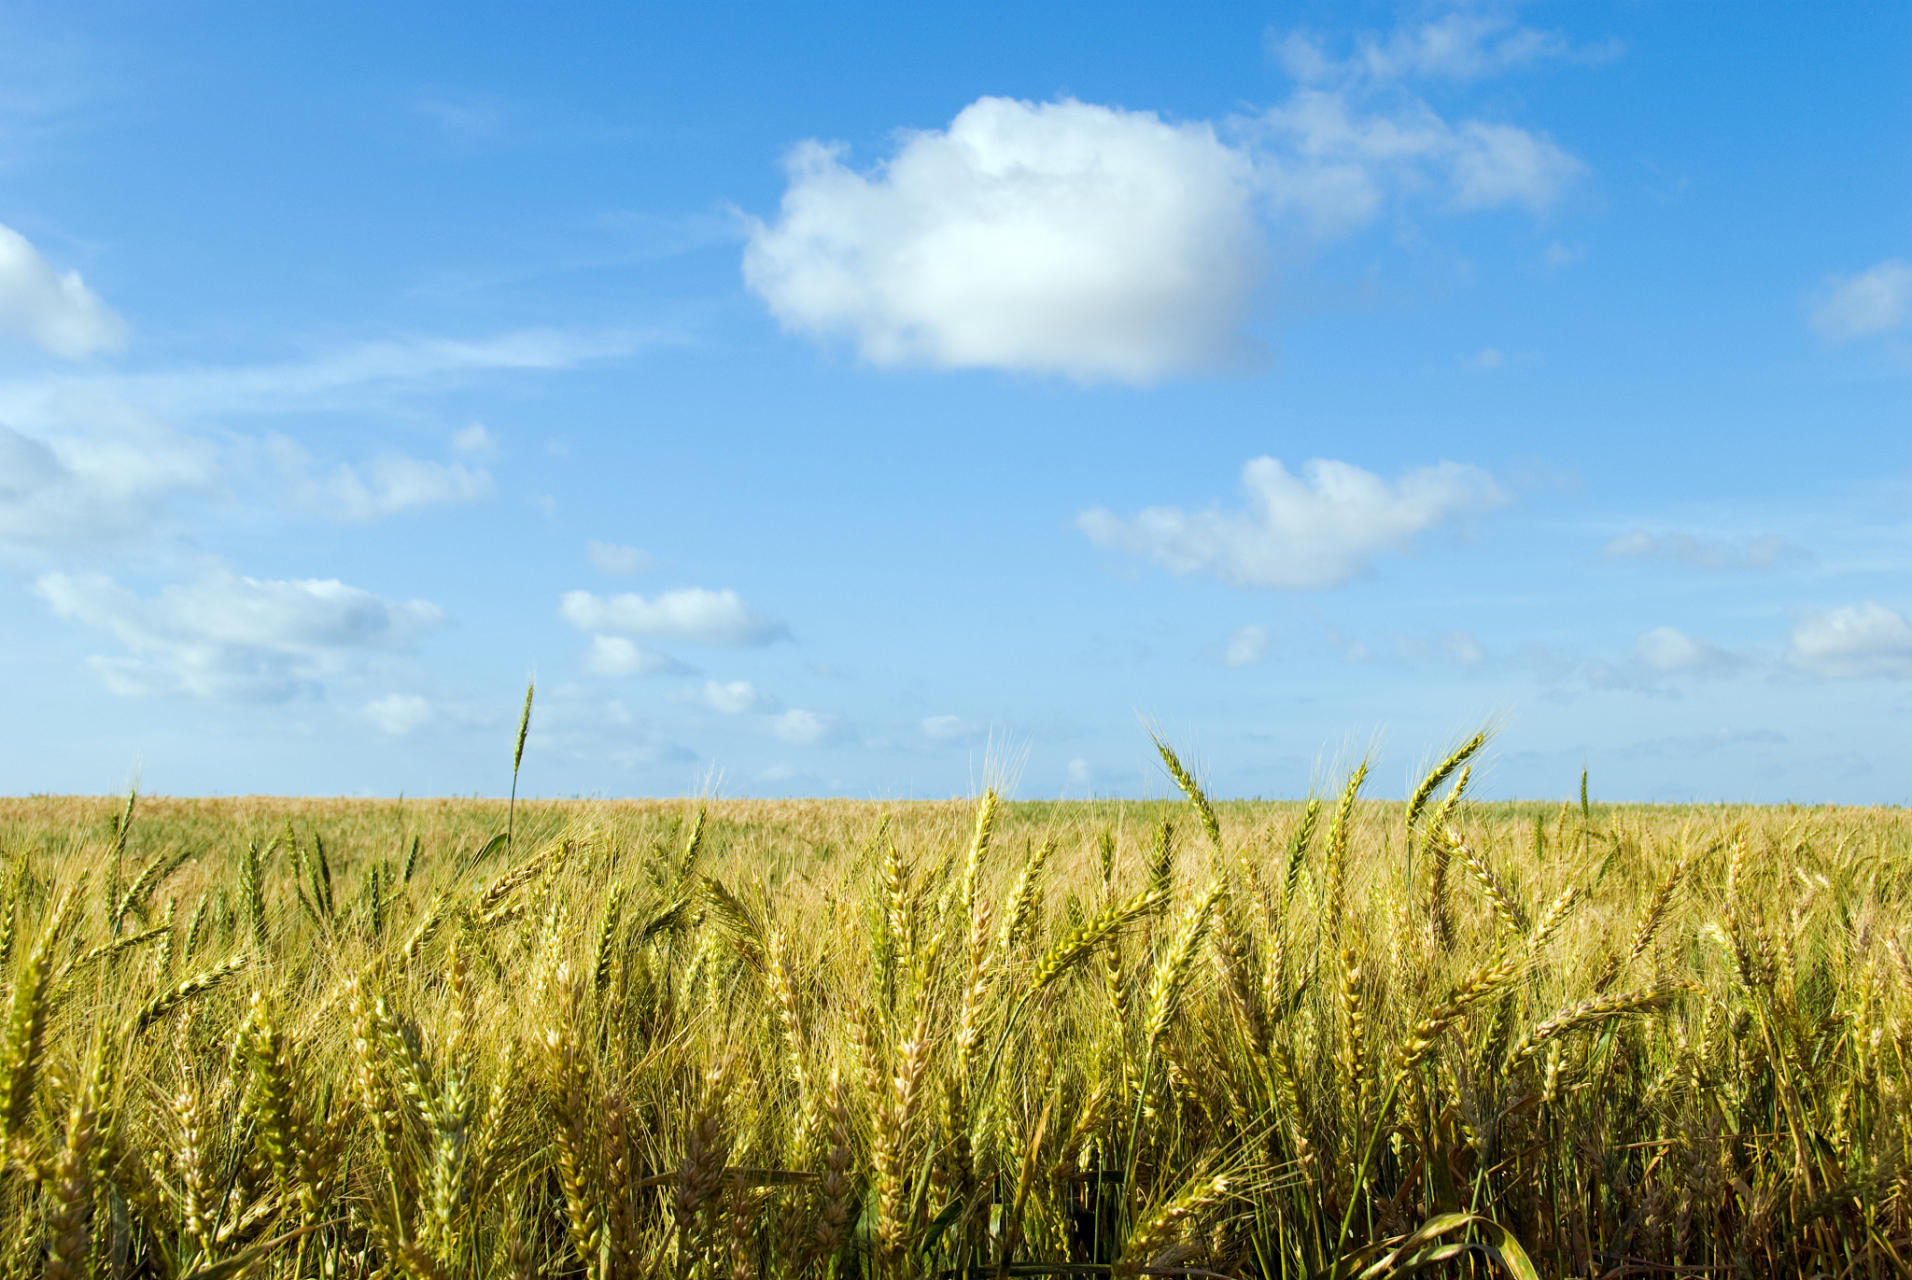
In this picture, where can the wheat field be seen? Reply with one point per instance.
(743, 1039)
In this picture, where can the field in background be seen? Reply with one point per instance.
(344, 1038)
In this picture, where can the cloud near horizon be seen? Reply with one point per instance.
(236, 638)
(1855, 642)
(1300, 534)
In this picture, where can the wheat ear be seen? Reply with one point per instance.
(26, 1021)
(166, 1001)
(1469, 991)
(1505, 907)
(1651, 917)
(1172, 975)
(1439, 774)
(71, 1199)
(1588, 1012)
(1340, 833)
(1197, 799)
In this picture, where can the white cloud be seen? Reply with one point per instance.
(1491, 359)
(616, 656)
(351, 378)
(393, 482)
(1328, 158)
(690, 613)
(1296, 534)
(1456, 46)
(1667, 649)
(1058, 237)
(387, 485)
(1762, 552)
(1853, 642)
(1246, 647)
(806, 728)
(1081, 773)
(1872, 301)
(608, 557)
(55, 312)
(60, 492)
(1464, 648)
(1498, 164)
(1661, 653)
(734, 698)
(400, 713)
(951, 729)
(1100, 243)
(232, 637)
(476, 442)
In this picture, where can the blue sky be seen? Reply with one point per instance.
(863, 400)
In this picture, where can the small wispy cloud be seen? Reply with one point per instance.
(946, 729)
(64, 492)
(619, 656)
(1465, 45)
(734, 697)
(1493, 359)
(1664, 652)
(620, 561)
(1300, 534)
(55, 312)
(1853, 643)
(1764, 551)
(1872, 301)
(476, 442)
(389, 484)
(691, 614)
(398, 714)
(808, 728)
(236, 638)
(1246, 646)
(351, 377)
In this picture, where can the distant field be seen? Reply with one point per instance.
(794, 1038)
